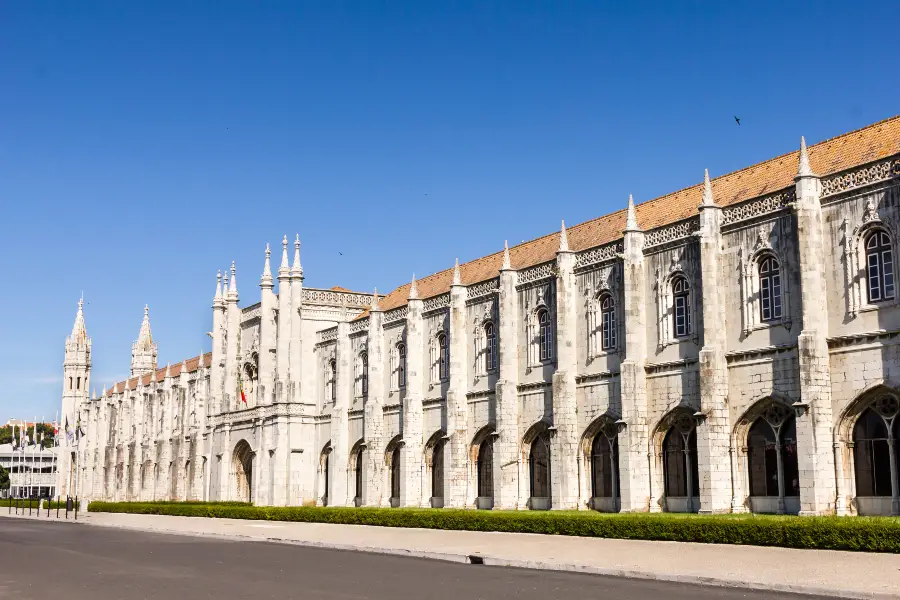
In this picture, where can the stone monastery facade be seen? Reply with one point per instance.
(731, 347)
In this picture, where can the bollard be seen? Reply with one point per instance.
(57, 506)
(29, 506)
(48, 507)
(76, 508)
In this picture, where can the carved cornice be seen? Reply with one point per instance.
(860, 177)
(436, 303)
(678, 231)
(485, 288)
(336, 298)
(328, 335)
(251, 312)
(758, 207)
(397, 314)
(599, 254)
(359, 325)
(536, 273)
(257, 413)
(739, 356)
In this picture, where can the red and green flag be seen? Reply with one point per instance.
(241, 388)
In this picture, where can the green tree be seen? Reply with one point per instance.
(6, 434)
(4, 479)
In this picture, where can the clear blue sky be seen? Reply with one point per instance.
(144, 145)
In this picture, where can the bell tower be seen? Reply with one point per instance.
(144, 350)
(76, 382)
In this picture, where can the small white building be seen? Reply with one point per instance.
(32, 471)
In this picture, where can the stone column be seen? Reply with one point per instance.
(232, 345)
(456, 451)
(296, 345)
(285, 318)
(635, 453)
(373, 434)
(507, 457)
(814, 414)
(266, 379)
(225, 465)
(338, 495)
(564, 442)
(217, 364)
(713, 432)
(412, 457)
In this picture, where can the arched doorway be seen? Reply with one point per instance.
(485, 467)
(680, 468)
(605, 469)
(772, 467)
(242, 465)
(434, 460)
(358, 459)
(325, 473)
(395, 476)
(877, 457)
(539, 471)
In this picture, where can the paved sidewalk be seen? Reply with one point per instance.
(823, 572)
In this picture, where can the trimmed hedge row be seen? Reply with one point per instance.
(870, 534)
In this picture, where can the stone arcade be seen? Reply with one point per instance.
(731, 347)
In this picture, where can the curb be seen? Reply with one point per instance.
(496, 561)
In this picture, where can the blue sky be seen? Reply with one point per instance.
(144, 145)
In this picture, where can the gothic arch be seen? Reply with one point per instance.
(434, 466)
(680, 422)
(481, 467)
(356, 467)
(600, 470)
(771, 415)
(393, 460)
(242, 467)
(324, 474)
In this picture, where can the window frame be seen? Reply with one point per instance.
(443, 357)
(681, 294)
(608, 324)
(401, 366)
(545, 334)
(490, 346)
(878, 253)
(770, 289)
(331, 382)
(364, 372)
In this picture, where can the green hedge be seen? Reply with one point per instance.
(871, 534)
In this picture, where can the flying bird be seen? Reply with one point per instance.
(738, 121)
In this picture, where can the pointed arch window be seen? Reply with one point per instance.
(879, 267)
(607, 322)
(681, 315)
(443, 357)
(401, 366)
(769, 289)
(363, 373)
(485, 467)
(545, 335)
(331, 380)
(490, 347)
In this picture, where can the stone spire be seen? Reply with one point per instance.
(145, 337)
(507, 265)
(103, 393)
(631, 221)
(168, 370)
(804, 169)
(707, 190)
(232, 286)
(457, 280)
(413, 289)
(218, 295)
(79, 333)
(374, 305)
(297, 269)
(266, 280)
(285, 267)
(563, 238)
(184, 368)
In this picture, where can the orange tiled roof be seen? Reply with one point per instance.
(192, 365)
(831, 156)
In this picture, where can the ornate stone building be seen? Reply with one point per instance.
(730, 347)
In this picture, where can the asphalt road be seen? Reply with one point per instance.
(40, 560)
